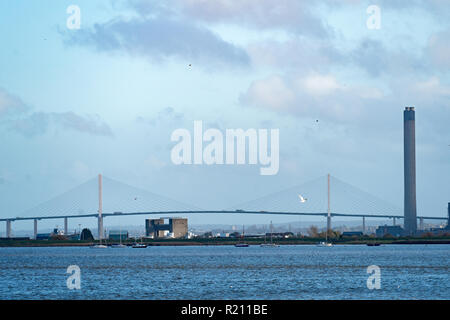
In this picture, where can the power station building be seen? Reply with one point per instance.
(409, 145)
(158, 228)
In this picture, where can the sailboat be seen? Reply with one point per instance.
(139, 245)
(120, 245)
(271, 244)
(99, 245)
(326, 243)
(241, 244)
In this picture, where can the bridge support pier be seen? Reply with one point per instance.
(328, 222)
(100, 228)
(8, 228)
(421, 223)
(393, 219)
(35, 229)
(364, 225)
(66, 227)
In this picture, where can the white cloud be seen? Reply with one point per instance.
(439, 49)
(432, 86)
(318, 85)
(315, 96)
(271, 93)
(291, 15)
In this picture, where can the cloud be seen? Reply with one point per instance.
(271, 93)
(17, 116)
(10, 103)
(314, 95)
(291, 15)
(301, 53)
(439, 50)
(319, 85)
(165, 116)
(159, 38)
(38, 123)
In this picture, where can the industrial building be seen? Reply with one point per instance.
(118, 235)
(395, 231)
(352, 234)
(161, 228)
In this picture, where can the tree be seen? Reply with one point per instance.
(86, 235)
(313, 232)
(208, 234)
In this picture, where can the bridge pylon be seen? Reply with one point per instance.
(100, 218)
(329, 207)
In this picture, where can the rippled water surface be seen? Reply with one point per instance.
(226, 272)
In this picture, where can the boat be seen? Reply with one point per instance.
(374, 244)
(241, 244)
(120, 245)
(139, 245)
(271, 244)
(325, 243)
(99, 245)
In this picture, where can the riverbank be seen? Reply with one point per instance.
(228, 241)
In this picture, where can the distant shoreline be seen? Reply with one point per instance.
(221, 242)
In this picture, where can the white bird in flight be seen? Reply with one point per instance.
(302, 200)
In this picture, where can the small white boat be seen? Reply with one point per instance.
(98, 246)
(118, 246)
(271, 244)
(325, 244)
(139, 245)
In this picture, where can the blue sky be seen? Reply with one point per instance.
(105, 98)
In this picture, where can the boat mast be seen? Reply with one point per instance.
(271, 232)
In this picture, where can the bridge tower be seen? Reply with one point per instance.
(100, 218)
(329, 207)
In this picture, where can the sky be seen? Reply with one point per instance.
(106, 97)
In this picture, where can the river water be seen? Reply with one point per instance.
(226, 272)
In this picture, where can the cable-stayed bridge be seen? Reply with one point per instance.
(102, 197)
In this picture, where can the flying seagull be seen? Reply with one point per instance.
(302, 200)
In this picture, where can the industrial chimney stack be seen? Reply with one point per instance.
(448, 220)
(409, 145)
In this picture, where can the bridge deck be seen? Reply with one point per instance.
(117, 214)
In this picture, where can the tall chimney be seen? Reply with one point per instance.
(448, 220)
(409, 134)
